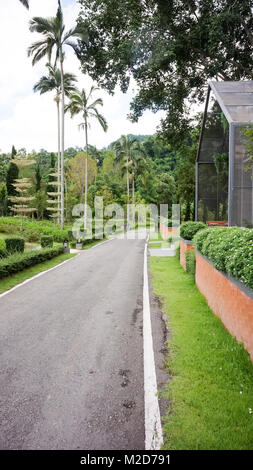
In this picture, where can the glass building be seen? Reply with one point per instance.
(224, 176)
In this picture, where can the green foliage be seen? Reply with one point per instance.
(19, 261)
(248, 133)
(32, 230)
(12, 175)
(230, 250)
(190, 261)
(3, 251)
(15, 244)
(47, 241)
(189, 229)
(166, 189)
(199, 240)
(3, 200)
(171, 49)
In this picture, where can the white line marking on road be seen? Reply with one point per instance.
(37, 275)
(153, 427)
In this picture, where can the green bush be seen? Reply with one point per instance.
(15, 244)
(32, 229)
(190, 261)
(189, 229)
(199, 238)
(47, 241)
(230, 250)
(19, 261)
(3, 251)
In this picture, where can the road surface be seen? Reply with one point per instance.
(72, 354)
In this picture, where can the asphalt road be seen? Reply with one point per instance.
(71, 354)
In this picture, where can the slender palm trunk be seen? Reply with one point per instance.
(86, 176)
(58, 160)
(62, 142)
(127, 175)
(133, 201)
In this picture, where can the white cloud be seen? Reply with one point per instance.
(28, 119)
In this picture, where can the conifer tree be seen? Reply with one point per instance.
(22, 185)
(12, 174)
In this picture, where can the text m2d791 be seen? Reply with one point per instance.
(147, 459)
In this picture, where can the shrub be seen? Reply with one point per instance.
(19, 261)
(47, 241)
(189, 229)
(32, 229)
(3, 251)
(230, 250)
(15, 244)
(190, 261)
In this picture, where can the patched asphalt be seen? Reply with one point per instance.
(72, 354)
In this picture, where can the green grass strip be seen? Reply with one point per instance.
(211, 389)
(11, 281)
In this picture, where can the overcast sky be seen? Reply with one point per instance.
(29, 119)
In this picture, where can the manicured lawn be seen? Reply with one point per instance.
(155, 236)
(211, 390)
(11, 281)
(159, 245)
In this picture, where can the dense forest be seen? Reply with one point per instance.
(162, 175)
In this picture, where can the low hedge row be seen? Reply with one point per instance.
(189, 229)
(15, 244)
(2, 249)
(230, 250)
(19, 261)
(32, 230)
(47, 241)
(190, 261)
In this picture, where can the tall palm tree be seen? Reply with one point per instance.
(138, 164)
(54, 38)
(25, 3)
(52, 82)
(82, 103)
(125, 149)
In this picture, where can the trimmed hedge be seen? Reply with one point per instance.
(15, 244)
(230, 250)
(3, 251)
(19, 261)
(189, 229)
(33, 230)
(47, 242)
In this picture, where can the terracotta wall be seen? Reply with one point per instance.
(185, 245)
(166, 231)
(228, 301)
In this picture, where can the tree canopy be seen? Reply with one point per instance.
(170, 47)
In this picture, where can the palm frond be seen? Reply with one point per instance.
(97, 102)
(39, 24)
(25, 3)
(41, 48)
(81, 32)
(102, 121)
(59, 16)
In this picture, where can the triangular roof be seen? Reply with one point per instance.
(235, 100)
